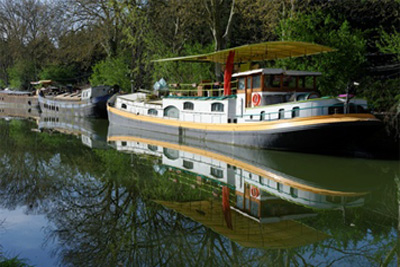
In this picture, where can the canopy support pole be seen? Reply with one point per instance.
(228, 72)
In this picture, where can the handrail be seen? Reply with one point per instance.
(265, 115)
(200, 84)
(199, 88)
(195, 90)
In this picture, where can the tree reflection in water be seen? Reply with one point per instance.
(100, 204)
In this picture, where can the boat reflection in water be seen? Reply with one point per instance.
(10, 110)
(260, 201)
(91, 132)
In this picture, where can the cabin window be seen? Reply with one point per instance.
(188, 106)
(171, 112)
(294, 192)
(239, 202)
(281, 114)
(217, 173)
(241, 84)
(152, 147)
(334, 199)
(360, 109)
(309, 81)
(123, 143)
(262, 115)
(171, 153)
(217, 107)
(301, 97)
(152, 111)
(123, 106)
(306, 82)
(336, 109)
(295, 112)
(256, 82)
(289, 81)
(254, 208)
(272, 81)
(188, 164)
(279, 186)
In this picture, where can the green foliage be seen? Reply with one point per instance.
(12, 262)
(2, 84)
(140, 40)
(181, 72)
(116, 167)
(383, 95)
(390, 43)
(21, 74)
(369, 16)
(111, 71)
(58, 73)
(338, 68)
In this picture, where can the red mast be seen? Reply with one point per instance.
(228, 72)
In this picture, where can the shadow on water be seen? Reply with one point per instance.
(161, 202)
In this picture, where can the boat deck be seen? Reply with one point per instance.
(155, 102)
(66, 96)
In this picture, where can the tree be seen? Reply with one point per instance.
(112, 71)
(183, 72)
(21, 74)
(220, 14)
(27, 30)
(99, 19)
(178, 23)
(338, 68)
(58, 73)
(390, 43)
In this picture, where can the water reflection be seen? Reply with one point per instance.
(14, 111)
(259, 175)
(92, 132)
(161, 203)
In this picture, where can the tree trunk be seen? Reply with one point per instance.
(220, 29)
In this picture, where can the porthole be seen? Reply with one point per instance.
(295, 112)
(217, 107)
(188, 106)
(171, 112)
(262, 115)
(281, 114)
(152, 112)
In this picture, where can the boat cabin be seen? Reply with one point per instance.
(273, 86)
(96, 91)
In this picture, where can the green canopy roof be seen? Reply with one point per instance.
(257, 52)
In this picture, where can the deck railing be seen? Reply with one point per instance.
(201, 89)
(293, 113)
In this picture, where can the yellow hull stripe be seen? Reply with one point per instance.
(247, 127)
(237, 163)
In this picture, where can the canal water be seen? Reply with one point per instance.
(78, 192)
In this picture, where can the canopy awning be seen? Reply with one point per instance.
(42, 82)
(246, 231)
(257, 52)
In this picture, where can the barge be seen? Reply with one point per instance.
(267, 108)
